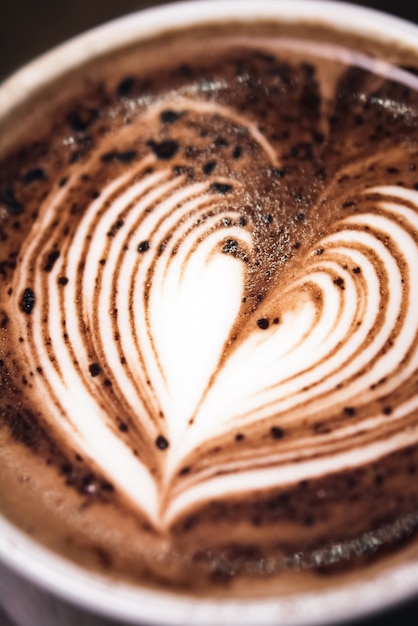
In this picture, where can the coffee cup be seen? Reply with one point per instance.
(208, 212)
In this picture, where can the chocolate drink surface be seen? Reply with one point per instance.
(208, 288)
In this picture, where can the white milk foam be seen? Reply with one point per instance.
(176, 306)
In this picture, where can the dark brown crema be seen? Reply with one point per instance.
(208, 282)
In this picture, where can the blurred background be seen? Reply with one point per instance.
(30, 27)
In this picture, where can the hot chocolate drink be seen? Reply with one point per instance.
(208, 330)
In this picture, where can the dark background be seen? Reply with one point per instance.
(30, 27)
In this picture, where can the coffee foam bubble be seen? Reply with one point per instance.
(151, 357)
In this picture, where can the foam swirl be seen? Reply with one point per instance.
(176, 346)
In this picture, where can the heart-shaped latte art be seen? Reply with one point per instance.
(189, 354)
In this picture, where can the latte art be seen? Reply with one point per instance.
(208, 303)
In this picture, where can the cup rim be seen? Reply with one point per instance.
(91, 591)
(136, 605)
(141, 24)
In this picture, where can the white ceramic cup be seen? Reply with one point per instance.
(38, 588)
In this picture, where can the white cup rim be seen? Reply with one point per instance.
(124, 30)
(120, 600)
